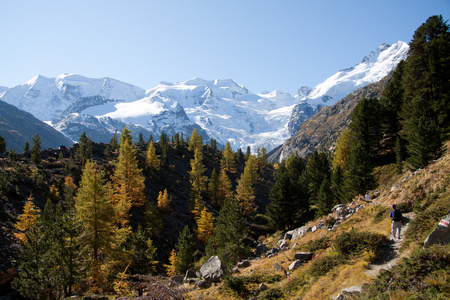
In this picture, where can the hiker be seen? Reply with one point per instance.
(396, 217)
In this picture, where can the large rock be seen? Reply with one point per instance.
(303, 256)
(440, 235)
(212, 269)
(295, 265)
(299, 232)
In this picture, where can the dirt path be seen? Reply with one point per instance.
(390, 250)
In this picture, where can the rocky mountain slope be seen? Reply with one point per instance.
(320, 132)
(18, 127)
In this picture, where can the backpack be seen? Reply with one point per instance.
(397, 215)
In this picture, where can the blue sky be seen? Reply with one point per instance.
(264, 45)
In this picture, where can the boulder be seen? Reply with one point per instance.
(282, 243)
(349, 293)
(202, 284)
(295, 265)
(243, 264)
(191, 274)
(212, 269)
(296, 233)
(177, 278)
(303, 256)
(440, 235)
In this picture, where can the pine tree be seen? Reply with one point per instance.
(289, 201)
(205, 226)
(27, 219)
(153, 160)
(141, 138)
(231, 230)
(213, 187)
(325, 199)
(164, 146)
(228, 160)
(12, 155)
(84, 150)
(164, 202)
(26, 147)
(113, 142)
(337, 182)
(143, 253)
(317, 169)
(95, 213)
(153, 220)
(358, 177)
(36, 150)
(2, 145)
(185, 250)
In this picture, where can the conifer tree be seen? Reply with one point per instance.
(317, 169)
(153, 160)
(164, 202)
(228, 162)
(231, 230)
(143, 253)
(196, 178)
(12, 155)
(128, 181)
(245, 194)
(95, 212)
(205, 226)
(84, 150)
(195, 142)
(26, 147)
(36, 150)
(224, 192)
(27, 219)
(213, 187)
(337, 182)
(164, 145)
(342, 152)
(171, 268)
(325, 200)
(153, 220)
(2, 145)
(185, 250)
(141, 138)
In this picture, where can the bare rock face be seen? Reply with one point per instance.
(212, 269)
(321, 131)
(441, 234)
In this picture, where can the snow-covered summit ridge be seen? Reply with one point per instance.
(374, 66)
(222, 109)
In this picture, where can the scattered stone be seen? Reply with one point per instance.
(277, 267)
(349, 293)
(202, 284)
(243, 264)
(314, 229)
(235, 271)
(304, 256)
(263, 287)
(282, 244)
(212, 269)
(177, 278)
(190, 274)
(295, 265)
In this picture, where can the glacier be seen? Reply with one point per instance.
(220, 109)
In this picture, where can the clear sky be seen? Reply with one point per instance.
(262, 44)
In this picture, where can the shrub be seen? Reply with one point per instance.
(314, 245)
(380, 213)
(237, 284)
(352, 244)
(274, 293)
(324, 264)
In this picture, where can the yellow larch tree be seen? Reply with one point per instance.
(164, 202)
(205, 226)
(27, 219)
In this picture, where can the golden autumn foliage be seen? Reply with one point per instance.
(27, 219)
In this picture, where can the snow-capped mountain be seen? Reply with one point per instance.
(374, 66)
(219, 109)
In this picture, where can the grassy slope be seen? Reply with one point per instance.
(425, 274)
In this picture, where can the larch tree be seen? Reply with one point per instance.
(228, 161)
(128, 181)
(95, 212)
(195, 141)
(164, 202)
(224, 192)
(171, 268)
(205, 226)
(27, 219)
(198, 182)
(153, 160)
